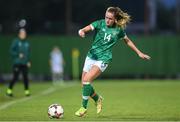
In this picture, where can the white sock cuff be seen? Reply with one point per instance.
(85, 97)
(86, 83)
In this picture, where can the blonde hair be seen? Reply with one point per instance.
(121, 18)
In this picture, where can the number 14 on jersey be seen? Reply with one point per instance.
(107, 37)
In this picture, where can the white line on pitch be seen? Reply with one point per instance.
(6, 105)
(45, 92)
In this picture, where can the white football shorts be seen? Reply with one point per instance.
(90, 62)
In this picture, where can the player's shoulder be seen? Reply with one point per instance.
(15, 40)
(102, 21)
(121, 32)
(99, 21)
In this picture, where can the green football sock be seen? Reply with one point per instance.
(86, 91)
(94, 95)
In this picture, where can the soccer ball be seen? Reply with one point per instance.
(55, 111)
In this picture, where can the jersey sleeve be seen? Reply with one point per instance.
(13, 48)
(122, 34)
(95, 25)
(29, 52)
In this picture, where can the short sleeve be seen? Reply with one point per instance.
(95, 24)
(122, 34)
(13, 48)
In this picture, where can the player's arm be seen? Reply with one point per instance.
(82, 32)
(28, 56)
(13, 49)
(135, 49)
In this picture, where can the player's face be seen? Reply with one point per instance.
(109, 18)
(22, 35)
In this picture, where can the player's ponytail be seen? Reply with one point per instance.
(121, 17)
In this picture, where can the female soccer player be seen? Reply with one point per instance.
(107, 33)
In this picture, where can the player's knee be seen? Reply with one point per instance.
(86, 79)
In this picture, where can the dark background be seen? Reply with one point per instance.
(155, 29)
(66, 16)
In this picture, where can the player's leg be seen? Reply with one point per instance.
(61, 73)
(60, 76)
(53, 71)
(93, 94)
(55, 78)
(97, 98)
(87, 88)
(83, 75)
(25, 80)
(16, 71)
(82, 110)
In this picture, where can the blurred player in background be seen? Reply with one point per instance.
(107, 33)
(20, 52)
(57, 65)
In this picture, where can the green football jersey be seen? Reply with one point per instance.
(20, 46)
(104, 39)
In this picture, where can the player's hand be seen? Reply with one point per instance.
(144, 56)
(29, 64)
(81, 33)
(21, 55)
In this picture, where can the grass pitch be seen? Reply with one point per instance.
(124, 100)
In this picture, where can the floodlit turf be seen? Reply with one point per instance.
(124, 100)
